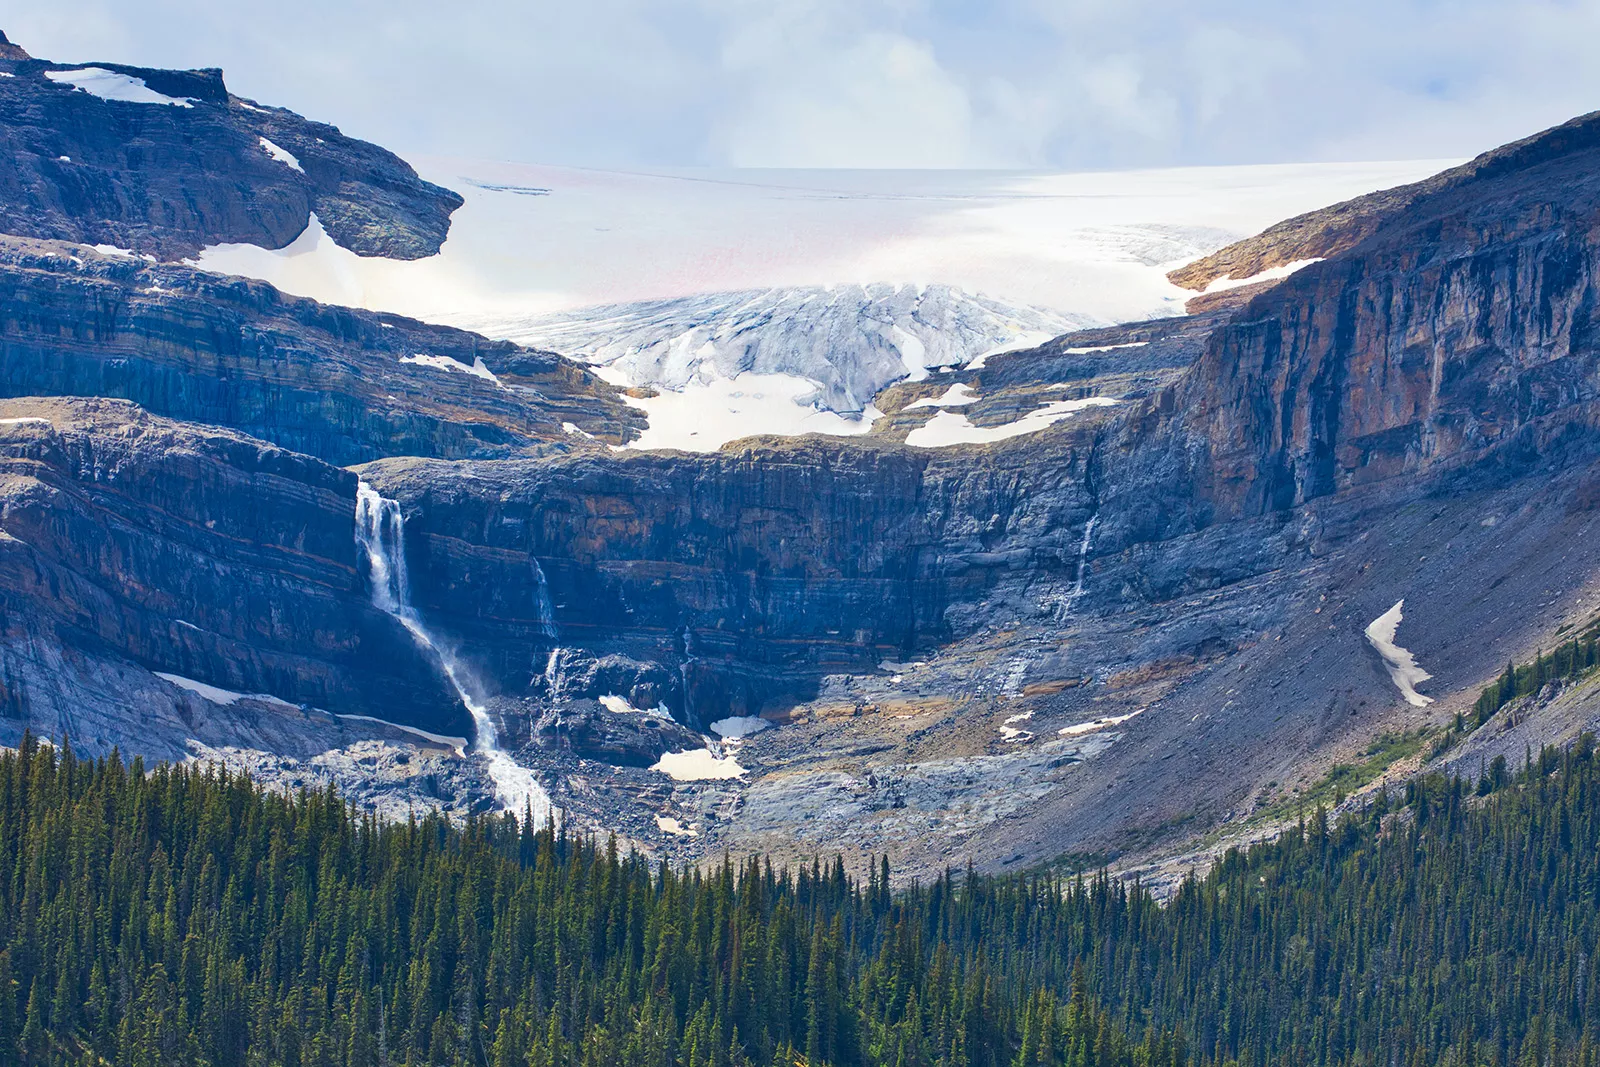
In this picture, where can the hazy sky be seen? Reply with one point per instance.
(1069, 84)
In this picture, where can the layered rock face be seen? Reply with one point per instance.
(1458, 335)
(755, 570)
(343, 385)
(186, 164)
(133, 540)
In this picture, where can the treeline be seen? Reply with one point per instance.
(1572, 659)
(184, 917)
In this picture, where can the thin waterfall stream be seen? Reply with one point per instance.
(380, 531)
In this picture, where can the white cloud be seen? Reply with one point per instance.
(877, 100)
(1049, 83)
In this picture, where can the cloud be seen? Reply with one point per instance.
(1062, 84)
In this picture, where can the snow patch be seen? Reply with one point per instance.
(447, 363)
(1403, 669)
(1011, 732)
(707, 415)
(738, 726)
(1102, 348)
(953, 397)
(1098, 724)
(698, 765)
(1271, 274)
(576, 431)
(668, 825)
(26, 420)
(219, 696)
(282, 155)
(951, 428)
(109, 85)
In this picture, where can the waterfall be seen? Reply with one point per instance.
(1083, 559)
(545, 611)
(380, 532)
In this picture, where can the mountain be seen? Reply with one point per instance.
(1111, 595)
(780, 302)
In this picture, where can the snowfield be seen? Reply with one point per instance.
(812, 288)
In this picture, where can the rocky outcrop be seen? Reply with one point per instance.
(336, 383)
(1456, 339)
(169, 178)
(129, 541)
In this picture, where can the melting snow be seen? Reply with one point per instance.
(217, 695)
(1098, 724)
(707, 415)
(282, 155)
(953, 397)
(1103, 348)
(1403, 669)
(667, 824)
(698, 765)
(1271, 274)
(447, 363)
(109, 85)
(738, 726)
(1011, 732)
(26, 420)
(950, 428)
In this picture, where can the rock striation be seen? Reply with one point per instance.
(343, 385)
(168, 179)
(128, 540)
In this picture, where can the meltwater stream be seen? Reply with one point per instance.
(380, 532)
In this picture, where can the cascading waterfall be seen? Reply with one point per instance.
(380, 531)
(1083, 559)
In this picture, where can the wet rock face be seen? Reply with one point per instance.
(329, 382)
(130, 539)
(168, 179)
(750, 570)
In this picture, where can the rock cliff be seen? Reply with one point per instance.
(343, 385)
(185, 164)
(128, 541)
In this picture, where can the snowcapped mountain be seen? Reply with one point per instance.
(850, 340)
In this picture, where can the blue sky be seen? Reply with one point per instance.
(1070, 84)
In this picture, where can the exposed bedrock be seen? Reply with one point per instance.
(1456, 342)
(168, 179)
(339, 384)
(129, 539)
(754, 569)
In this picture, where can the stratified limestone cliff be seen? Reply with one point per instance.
(330, 382)
(1455, 338)
(169, 179)
(132, 541)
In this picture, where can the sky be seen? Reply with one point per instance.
(1034, 84)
